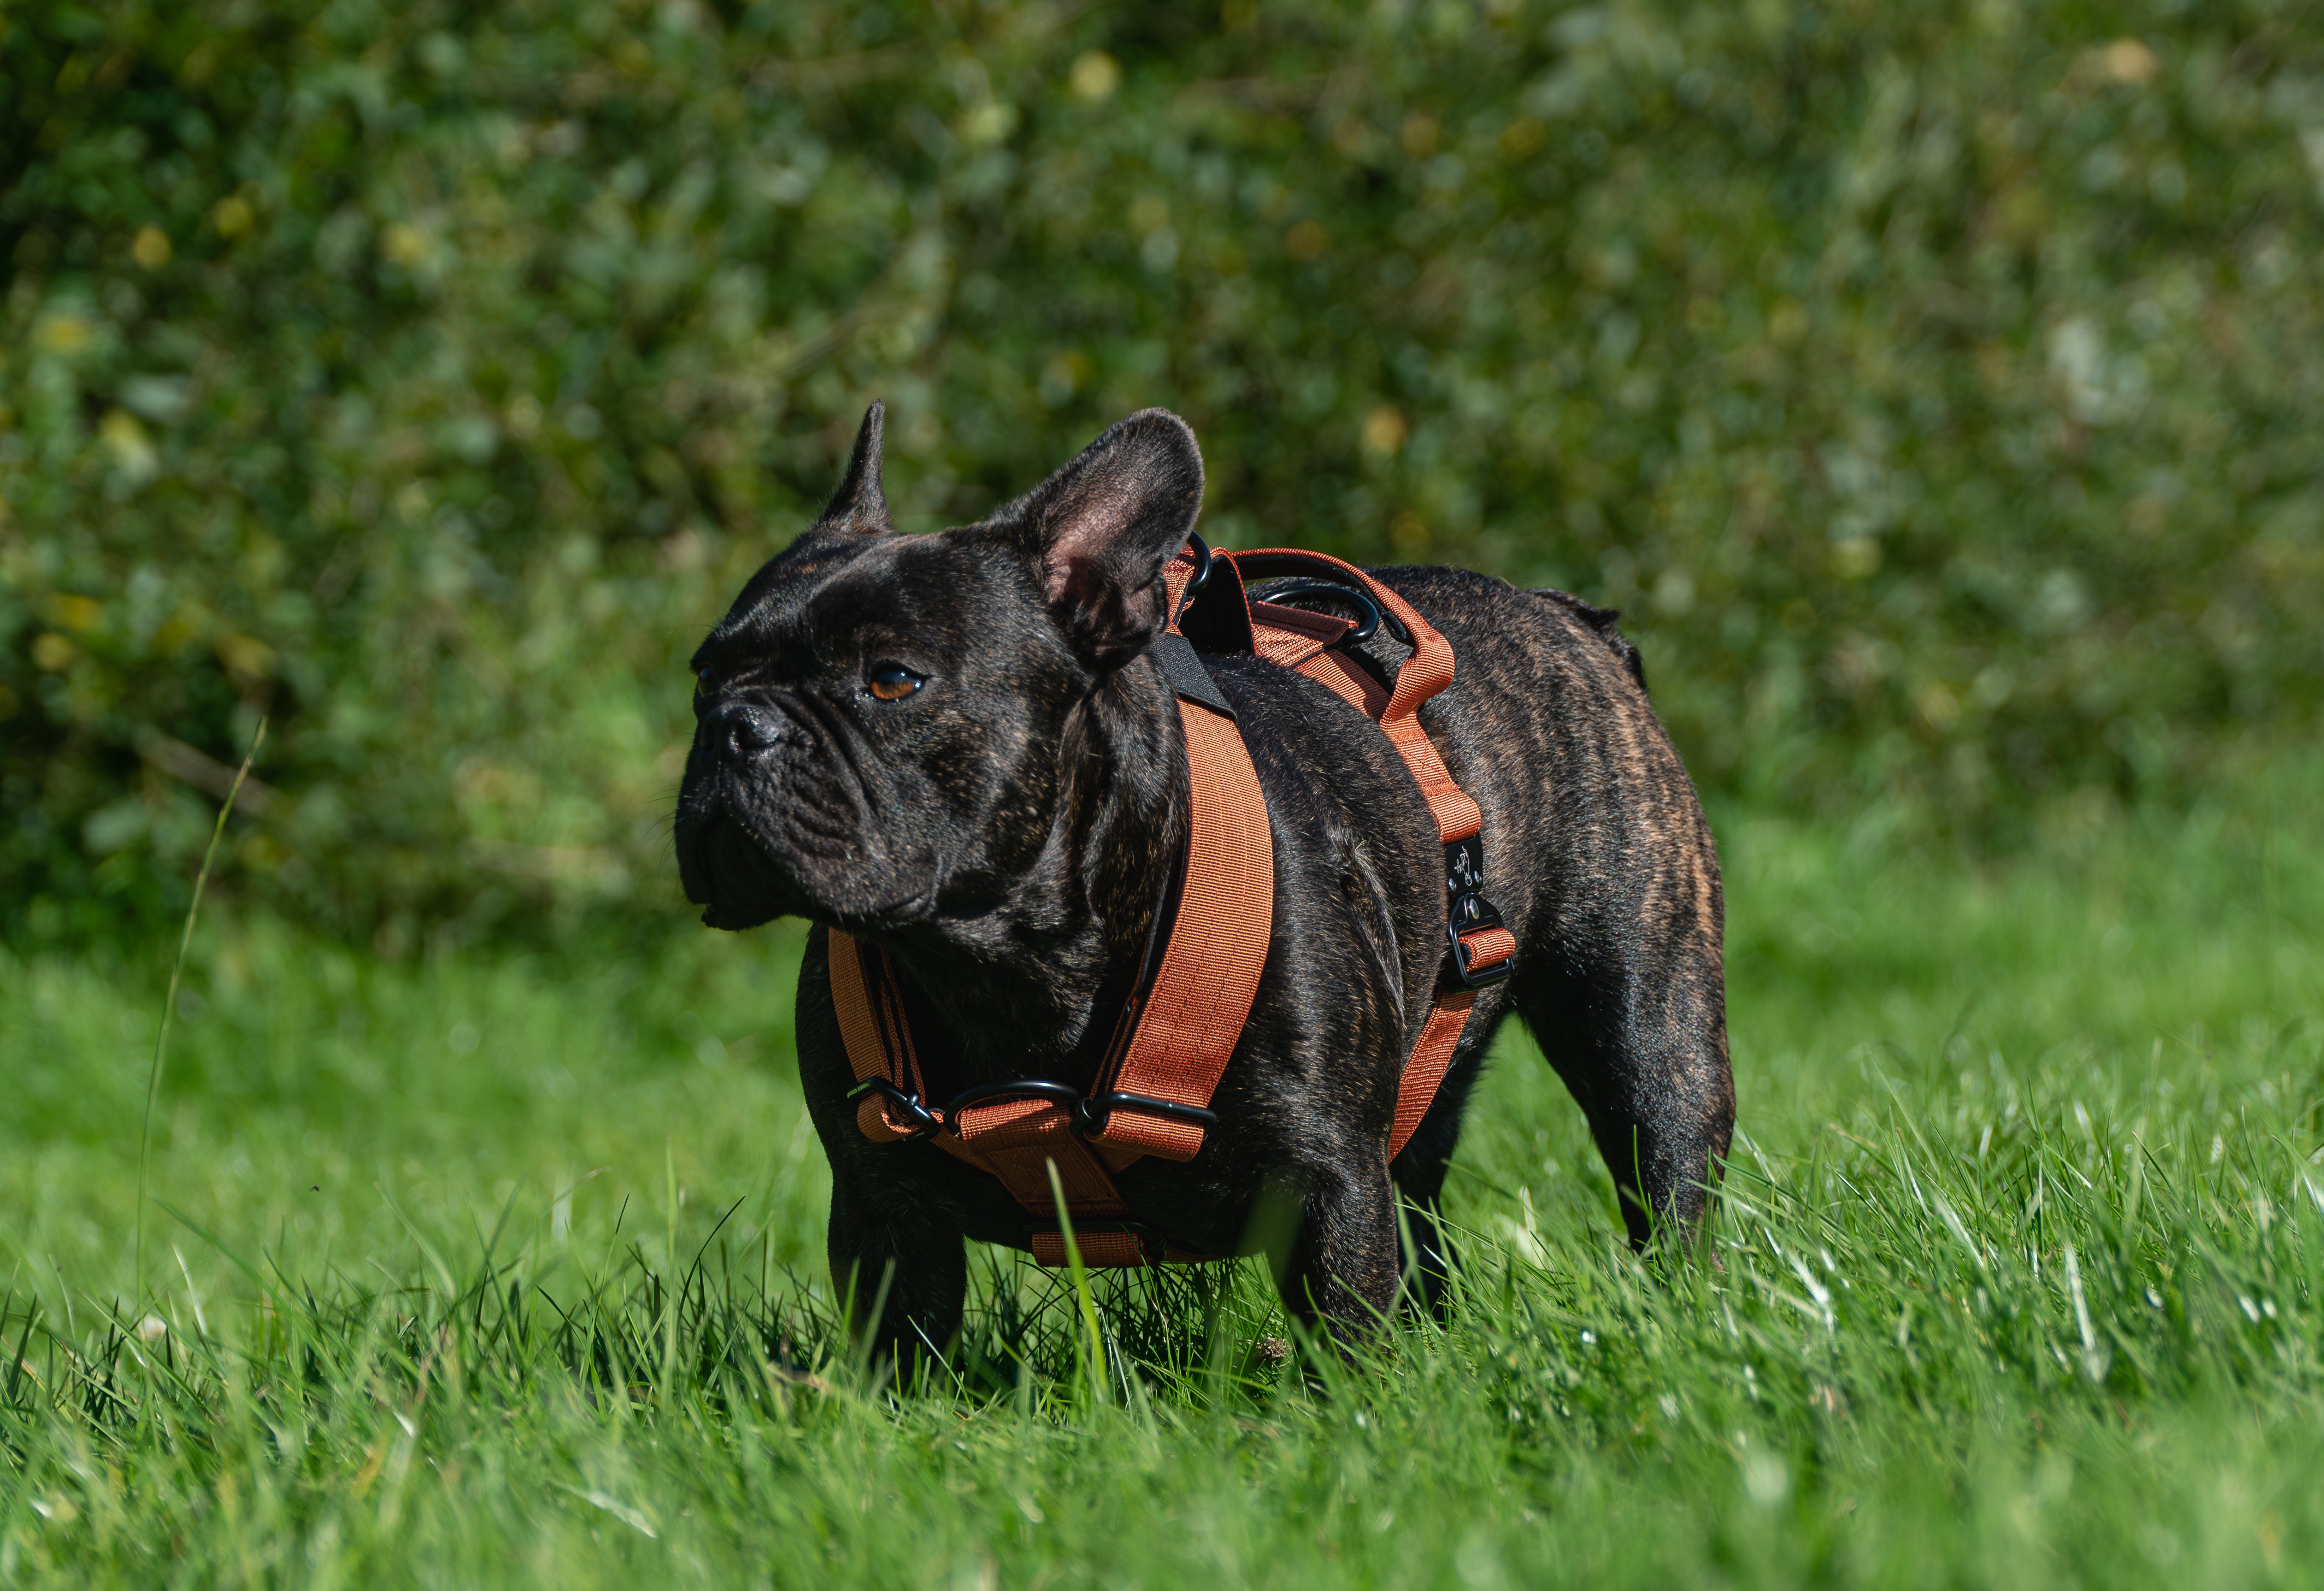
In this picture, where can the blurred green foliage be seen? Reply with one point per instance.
(1935, 382)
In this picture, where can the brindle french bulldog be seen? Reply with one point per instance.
(958, 747)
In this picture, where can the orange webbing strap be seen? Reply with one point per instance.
(1427, 671)
(1013, 1139)
(1328, 667)
(879, 1040)
(1017, 1141)
(1289, 637)
(1303, 640)
(1189, 1023)
(1432, 1051)
(1487, 947)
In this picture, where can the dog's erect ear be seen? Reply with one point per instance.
(1102, 527)
(859, 504)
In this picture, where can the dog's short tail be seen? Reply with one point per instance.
(1600, 621)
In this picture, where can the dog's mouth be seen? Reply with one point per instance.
(731, 870)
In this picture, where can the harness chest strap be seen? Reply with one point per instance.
(1170, 1049)
(1015, 1139)
(1180, 1041)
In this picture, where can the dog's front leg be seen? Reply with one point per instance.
(902, 1278)
(1339, 1266)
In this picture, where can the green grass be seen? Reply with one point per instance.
(514, 1277)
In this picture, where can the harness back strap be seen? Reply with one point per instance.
(1426, 671)
(1296, 639)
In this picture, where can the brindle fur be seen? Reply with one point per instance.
(1004, 834)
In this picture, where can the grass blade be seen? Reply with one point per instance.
(177, 972)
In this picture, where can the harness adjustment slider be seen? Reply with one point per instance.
(1467, 911)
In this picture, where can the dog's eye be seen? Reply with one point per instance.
(892, 682)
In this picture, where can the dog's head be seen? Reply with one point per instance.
(878, 716)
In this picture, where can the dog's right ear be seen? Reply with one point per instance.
(1101, 527)
(859, 506)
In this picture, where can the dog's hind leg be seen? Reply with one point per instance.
(1641, 1042)
(1620, 969)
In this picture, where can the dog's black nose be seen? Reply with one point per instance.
(742, 730)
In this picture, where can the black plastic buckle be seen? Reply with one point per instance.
(1465, 866)
(1095, 1113)
(927, 1123)
(1465, 914)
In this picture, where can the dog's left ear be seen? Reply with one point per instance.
(1102, 527)
(860, 505)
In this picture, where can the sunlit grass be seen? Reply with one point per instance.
(507, 1270)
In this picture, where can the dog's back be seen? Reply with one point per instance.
(1598, 856)
(1612, 879)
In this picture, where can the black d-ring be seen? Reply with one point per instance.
(1365, 625)
(1029, 1088)
(1270, 566)
(1202, 572)
(1096, 1110)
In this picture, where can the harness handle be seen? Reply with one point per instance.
(1427, 671)
(1333, 591)
(1336, 577)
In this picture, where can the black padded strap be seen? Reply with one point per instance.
(1184, 669)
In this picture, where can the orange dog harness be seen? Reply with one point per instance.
(1179, 1024)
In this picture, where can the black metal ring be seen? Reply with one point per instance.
(1262, 566)
(1064, 1094)
(1094, 1112)
(1202, 572)
(1365, 626)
